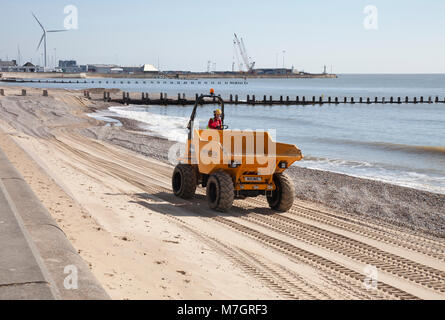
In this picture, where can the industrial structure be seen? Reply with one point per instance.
(246, 64)
(44, 39)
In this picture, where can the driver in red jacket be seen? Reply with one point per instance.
(215, 122)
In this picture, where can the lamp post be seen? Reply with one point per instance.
(284, 51)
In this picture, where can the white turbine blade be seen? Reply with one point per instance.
(38, 22)
(43, 36)
(56, 30)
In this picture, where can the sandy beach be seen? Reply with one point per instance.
(109, 189)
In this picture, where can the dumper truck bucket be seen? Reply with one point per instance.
(251, 150)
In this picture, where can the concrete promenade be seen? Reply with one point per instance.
(36, 259)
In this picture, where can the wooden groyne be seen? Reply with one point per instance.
(181, 99)
(145, 98)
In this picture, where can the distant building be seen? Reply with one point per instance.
(132, 69)
(116, 70)
(70, 66)
(11, 66)
(112, 68)
(101, 68)
(8, 66)
(149, 68)
(67, 63)
(273, 71)
(28, 67)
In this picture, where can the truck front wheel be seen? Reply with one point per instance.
(184, 181)
(219, 191)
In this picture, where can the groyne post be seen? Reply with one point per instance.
(391, 100)
(383, 99)
(105, 96)
(361, 100)
(236, 99)
(345, 100)
(399, 100)
(287, 99)
(415, 99)
(264, 99)
(376, 100)
(45, 93)
(270, 99)
(437, 99)
(253, 99)
(320, 100)
(421, 99)
(231, 98)
(2, 92)
(161, 96)
(23, 92)
(281, 99)
(248, 98)
(406, 99)
(429, 100)
(368, 101)
(336, 100)
(297, 99)
(329, 100)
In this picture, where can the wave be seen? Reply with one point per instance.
(418, 179)
(171, 128)
(416, 149)
(412, 148)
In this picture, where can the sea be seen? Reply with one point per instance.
(403, 144)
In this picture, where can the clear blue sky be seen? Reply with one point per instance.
(186, 34)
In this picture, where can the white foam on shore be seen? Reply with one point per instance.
(105, 117)
(168, 127)
(408, 179)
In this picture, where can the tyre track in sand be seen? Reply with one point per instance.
(280, 282)
(372, 230)
(131, 170)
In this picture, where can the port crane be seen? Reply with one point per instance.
(242, 49)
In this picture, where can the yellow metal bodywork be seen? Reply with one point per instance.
(250, 157)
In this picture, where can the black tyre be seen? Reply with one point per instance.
(219, 191)
(184, 181)
(283, 196)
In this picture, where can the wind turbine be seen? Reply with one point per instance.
(44, 36)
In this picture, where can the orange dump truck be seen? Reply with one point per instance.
(234, 164)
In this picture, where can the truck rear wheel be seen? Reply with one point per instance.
(283, 196)
(219, 191)
(184, 181)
